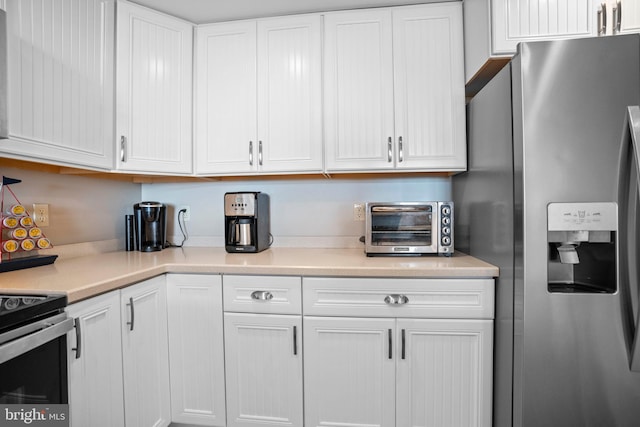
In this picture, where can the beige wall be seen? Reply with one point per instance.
(82, 209)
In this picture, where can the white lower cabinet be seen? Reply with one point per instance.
(196, 349)
(263, 352)
(95, 363)
(145, 353)
(390, 369)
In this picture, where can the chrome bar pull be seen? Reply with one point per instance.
(250, 153)
(78, 347)
(130, 305)
(396, 299)
(602, 19)
(400, 150)
(261, 295)
(404, 346)
(295, 340)
(260, 153)
(123, 148)
(390, 344)
(389, 150)
(617, 17)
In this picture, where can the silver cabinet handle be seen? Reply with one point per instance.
(403, 345)
(123, 148)
(260, 153)
(78, 347)
(395, 299)
(602, 19)
(295, 340)
(250, 153)
(389, 150)
(130, 304)
(389, 333)
(261, 295)
(617, 17)
(400, 150)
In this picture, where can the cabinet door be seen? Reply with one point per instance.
(61, 62)
(289, 94)
(196, 352)
(444, 373)
(145, 353)
(225, 96)
(429, 87)
(95, 363)
(349, 372)
(358, 92)
(630, 16)
(263, 356)
(515, 21)
(154, 91)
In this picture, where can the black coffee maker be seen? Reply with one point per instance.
(150, 226)
(246, 221)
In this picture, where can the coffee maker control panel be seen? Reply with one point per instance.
(240, 204)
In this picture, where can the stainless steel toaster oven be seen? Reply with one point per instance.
(409, 228)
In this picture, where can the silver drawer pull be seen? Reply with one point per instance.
(261, 295)
(395, 299)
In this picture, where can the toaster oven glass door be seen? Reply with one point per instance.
(402, 225)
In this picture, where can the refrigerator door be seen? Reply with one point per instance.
(571, 364)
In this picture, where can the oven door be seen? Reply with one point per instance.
(401, 228)
(33, 362)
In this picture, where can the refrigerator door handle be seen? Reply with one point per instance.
(629, 218)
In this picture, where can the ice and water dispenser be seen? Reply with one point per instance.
(582, 247)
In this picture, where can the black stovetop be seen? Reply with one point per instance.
(16, 310)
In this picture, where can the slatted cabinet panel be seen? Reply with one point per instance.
(154, 91)
(263, 356)
(95, 363)
(196, 350)
(429, 87)
(61, 62)
(289, 94)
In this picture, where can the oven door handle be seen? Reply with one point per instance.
(46, 331)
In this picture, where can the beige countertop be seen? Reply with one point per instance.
(88, 276)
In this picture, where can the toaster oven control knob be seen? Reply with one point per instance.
(446, 220)
(446, 240)
(446, 210)
(446, 231)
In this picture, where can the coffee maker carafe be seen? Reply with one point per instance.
(150, 226)
(246, 220)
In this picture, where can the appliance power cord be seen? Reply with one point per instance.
(183, 229)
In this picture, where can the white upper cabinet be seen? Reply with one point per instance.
(154, 91)
(394, 89)
(493, 28)
(258, 96)
(61, 81)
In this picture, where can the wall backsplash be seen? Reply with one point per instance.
(304, 212)
(81, 209)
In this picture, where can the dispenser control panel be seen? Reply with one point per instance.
(597, 216)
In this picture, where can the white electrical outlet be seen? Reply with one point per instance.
(41, 214)
(186, 216)
(358, 212)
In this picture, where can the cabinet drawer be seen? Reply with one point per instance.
(383, 297)
(262, 294)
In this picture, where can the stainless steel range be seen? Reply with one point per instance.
(33, 354)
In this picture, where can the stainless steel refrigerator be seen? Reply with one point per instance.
(551, 198)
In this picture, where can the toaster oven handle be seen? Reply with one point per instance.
(397, 208)
(396, 299)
